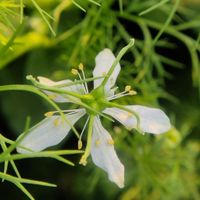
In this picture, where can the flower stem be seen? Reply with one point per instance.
(118, 58)
(84, 157)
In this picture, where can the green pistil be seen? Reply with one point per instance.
(94, 100)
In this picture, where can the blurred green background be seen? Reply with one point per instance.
(163, 67)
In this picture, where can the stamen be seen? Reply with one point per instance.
(84, 157)
(70, 111)
(81, 67)
(48, 114)
(116, 96)
(110, 142)
(84, 128)
(132, 92)
(127, 88)
(126, 92)
(74, 71)
(82, 83)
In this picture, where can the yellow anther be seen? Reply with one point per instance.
(52, 96)
(127, 88)
(81, 66)
(97, 143)
(48, 114)
(132, 92)
(80, 144)
(110, 141)
(56, 122)
(83, 161)
(74, 71)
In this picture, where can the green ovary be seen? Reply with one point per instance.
(95, 100)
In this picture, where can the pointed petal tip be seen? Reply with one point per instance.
(118, 177)
(120, 185)
(120, 182)
(104, 155)
(152, 120)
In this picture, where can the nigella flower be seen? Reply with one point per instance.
(96, 104)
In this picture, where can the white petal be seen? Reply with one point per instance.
(48, 132)
(152, 120)
(104, 155)
(104, 61)
(61, 98)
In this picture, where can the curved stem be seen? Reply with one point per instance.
(32, 89)
(83, 160)
(118, 58)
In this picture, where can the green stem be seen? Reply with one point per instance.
(6, 139)
(83, 160)
(14, 145)
(188, 41)
(32, 89)
(153, 7)
(42, 154)
(170, 17)
(4, 147)
(21, 11)
(41, 12)
(23, 180)
(118, 58)
(55, 89)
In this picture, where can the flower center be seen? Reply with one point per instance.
(95, 100)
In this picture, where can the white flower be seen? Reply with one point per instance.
(53, 129)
